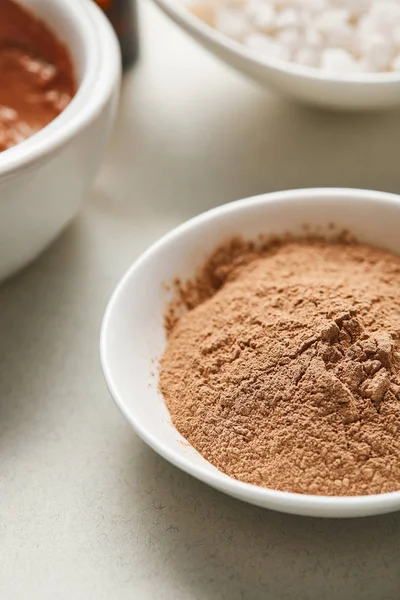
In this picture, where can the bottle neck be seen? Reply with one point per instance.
(123, 16)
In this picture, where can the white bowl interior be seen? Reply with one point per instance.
(133, 337)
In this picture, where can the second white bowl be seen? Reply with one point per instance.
(364, 91)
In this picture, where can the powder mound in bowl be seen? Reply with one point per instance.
(284, 368)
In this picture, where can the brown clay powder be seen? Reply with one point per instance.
(284, 370)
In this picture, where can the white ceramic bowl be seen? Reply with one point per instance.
(133, 337)
(44, 179)
(313, 86)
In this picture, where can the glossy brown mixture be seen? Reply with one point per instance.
(36, 75)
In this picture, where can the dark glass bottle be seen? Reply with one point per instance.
(123, 16)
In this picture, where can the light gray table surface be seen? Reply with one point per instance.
(87, 510)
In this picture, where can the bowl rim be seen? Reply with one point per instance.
(306, 504)
(102, 70)
(199, 28)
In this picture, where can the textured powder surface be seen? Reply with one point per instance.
(284, 370)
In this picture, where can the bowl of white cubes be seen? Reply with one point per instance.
(340, 54)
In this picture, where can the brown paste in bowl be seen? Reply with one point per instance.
(36, 74)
